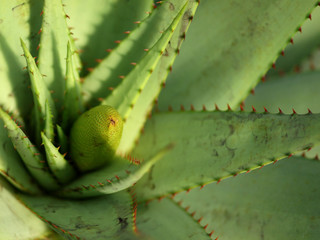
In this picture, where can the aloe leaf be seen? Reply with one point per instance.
(277, 202)
(72, 100)
(48, 125)
(24, 16)
(129, 52)
(211, 146)
(108, 217)
(30, 155)
(121, 175)
(304, 45)
(135, 82)
(17, 222)
(99, 28)
(153, 218)
(11, 166)
(41, 96)
(293, 91)
(62, 139)
(55, 36)
(59, 166)
(152, 89)
(234, 50)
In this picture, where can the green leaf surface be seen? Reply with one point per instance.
(120, 175)
(157, 79)
(304, 45)
(17, 222)
(108, 217)
(104, 23)
(11, 166)
(72, 100)
(129, 52)
(166, 220)
(55, 36)
(30, 155)
(24, 16)
(279, 202)
(135, 82)
(62, 140)
(211, 146)
(227, 52)
(59, 166)
(48, 125)
(41, 97)
(293, 91)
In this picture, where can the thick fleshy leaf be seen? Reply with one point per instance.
(135, 82)
(17, 222)
(152, 89)
(210, 146)
(108, 217)
(59, 166)
(166, 220)
(55, 36)
(18, 19)
(104, 23)
(294, 91)
(41, 97)
(304, 45)
(129, 52)
(62, 140)
(30, 155)
(11, 166)
(120, 175)
(72, 101)
(279, 202)
(228, 50)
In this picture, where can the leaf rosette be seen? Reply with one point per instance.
(69, 142)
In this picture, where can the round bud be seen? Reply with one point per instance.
(95, 137)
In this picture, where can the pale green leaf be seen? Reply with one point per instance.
(30, 155)
(230, 46)
(210, 146)
(279, 202)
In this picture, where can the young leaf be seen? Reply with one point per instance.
(59, 166)
(11, 166)
(118, 176)
(72, 100)
(41, 96)
(62, 139)
(30, 155)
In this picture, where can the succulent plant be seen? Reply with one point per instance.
(181, 168)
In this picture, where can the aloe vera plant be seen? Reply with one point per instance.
(74, 72)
